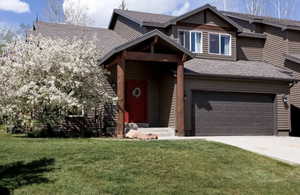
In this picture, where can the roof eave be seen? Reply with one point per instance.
(292, 58)
(258, 21)
(116, 12)
(154, 24)
(253, 35)
(240, 77)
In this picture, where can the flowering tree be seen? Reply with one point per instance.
(44, 79)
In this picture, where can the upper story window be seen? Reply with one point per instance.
(191, 40)
(220, 44)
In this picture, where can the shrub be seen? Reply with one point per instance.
(44, 79)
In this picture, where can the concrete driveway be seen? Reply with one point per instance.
(286, 149)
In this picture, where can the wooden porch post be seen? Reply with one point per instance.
(121, 96)
(180, 99)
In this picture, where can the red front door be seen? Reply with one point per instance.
(136, 101)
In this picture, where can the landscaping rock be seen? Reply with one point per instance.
(134, 134)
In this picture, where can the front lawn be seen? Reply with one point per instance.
(91, 166)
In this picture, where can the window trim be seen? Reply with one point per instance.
(220, 44)
(190, 36)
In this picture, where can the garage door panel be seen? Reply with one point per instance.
(217, 113)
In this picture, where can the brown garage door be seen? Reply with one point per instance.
(222, 113)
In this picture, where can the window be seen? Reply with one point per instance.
(220, 44)
(214, 46)
(191, 40)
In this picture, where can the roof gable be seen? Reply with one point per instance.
(145, 37)
(204, 8)
(163, 21)
(141, 18)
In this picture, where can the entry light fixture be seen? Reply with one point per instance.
(285, 99)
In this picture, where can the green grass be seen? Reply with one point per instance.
(106, 166)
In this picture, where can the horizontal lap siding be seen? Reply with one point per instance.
(167, 101)
(127, 29)
(294, 47)
(238, 86)
(275, 46)
(211, 19)
(295, 90)
(250, 49)
(283, 113)
(293, 41)
(205, 53)
(295, 95)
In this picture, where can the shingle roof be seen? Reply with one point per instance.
(283, 23)
(144, 17)
(237, 69)
(105, 39)
(161, 20)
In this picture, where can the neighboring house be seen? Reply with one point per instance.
(206, 72)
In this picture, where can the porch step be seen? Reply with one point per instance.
(161, 132)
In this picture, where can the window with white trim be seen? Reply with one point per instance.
(220, 44)
(191, 40)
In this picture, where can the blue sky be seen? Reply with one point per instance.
(100, 10)
(13, 18)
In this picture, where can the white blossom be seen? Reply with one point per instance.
(50, 72)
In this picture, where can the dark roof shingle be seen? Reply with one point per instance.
(105, 39)
(161, 19)
(264, 19)
(237, 69)
(144, 17)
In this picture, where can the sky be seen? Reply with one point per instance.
(16, 12)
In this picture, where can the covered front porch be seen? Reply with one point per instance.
(149, 77)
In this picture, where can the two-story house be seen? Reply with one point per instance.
(206, 72)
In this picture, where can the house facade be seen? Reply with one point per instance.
(207, 72)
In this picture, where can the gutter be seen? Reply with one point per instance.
(253, 35)
(241, 77)
(292, 58)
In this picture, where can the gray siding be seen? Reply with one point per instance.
(246, 26)
(195, 19)
(127, 29)
(211, 19)
(205, 53)
(167, 108)
(250, 49)
(295, 90)
(282, 111)
(275, 46)
(293, 41)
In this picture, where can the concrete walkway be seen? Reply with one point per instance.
(286, 149)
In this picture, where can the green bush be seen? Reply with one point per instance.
(39, 129)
